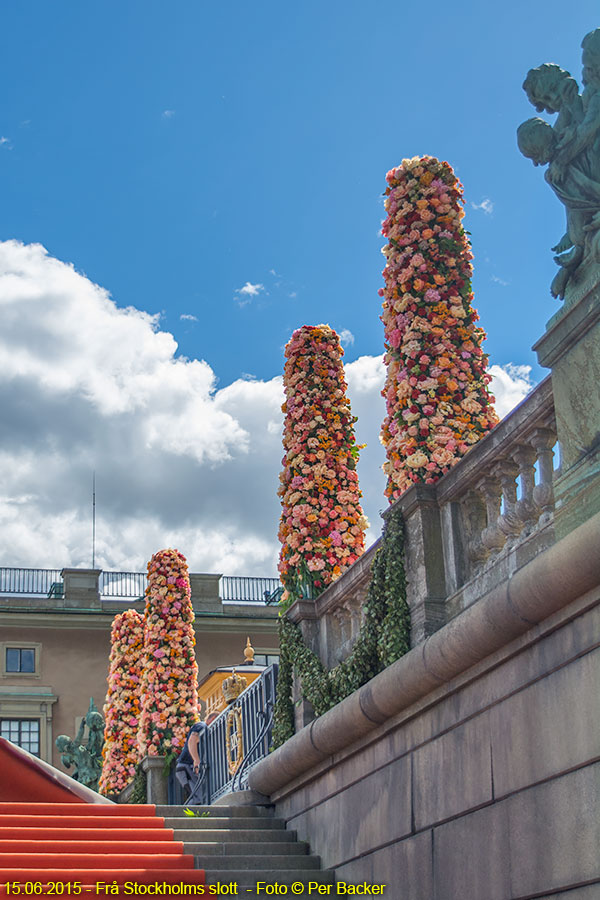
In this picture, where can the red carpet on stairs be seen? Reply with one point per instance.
(77, 849)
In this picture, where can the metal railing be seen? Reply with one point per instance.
(30, 581)
(241, 589)
(123, 584)
(132, 585)
(256, 705)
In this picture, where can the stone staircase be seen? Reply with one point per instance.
(245, 844)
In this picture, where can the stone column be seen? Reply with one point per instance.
(205, 593)
(424, 560)
(82, 588)
(303, 613)
(156, 780)
(571, 348)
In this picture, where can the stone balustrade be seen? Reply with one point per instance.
(491, 514)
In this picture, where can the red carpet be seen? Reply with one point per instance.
(81, 844)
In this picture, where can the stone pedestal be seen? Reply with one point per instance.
(424, 561)
(304, 614)
(205, 593)
(82, 589)
(571, 348)
(156, 780)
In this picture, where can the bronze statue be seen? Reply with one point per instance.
(572, 149)
(85, 759)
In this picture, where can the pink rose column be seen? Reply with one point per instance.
(170, 671)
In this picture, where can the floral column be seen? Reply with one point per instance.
(122, 707)
(322, 523)
(438, 403)
(170, 672)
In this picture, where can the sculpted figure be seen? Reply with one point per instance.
(572, 149)
(85, 759)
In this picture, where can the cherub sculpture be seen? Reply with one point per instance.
(572, 149)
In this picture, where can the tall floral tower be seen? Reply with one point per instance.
(170, 672)
(322, 524)
(122, 707)
(436, 391)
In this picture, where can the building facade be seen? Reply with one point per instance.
(55, 642)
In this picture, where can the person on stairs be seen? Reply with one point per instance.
(191, 766)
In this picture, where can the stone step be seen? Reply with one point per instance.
(223, 811)
(255, 835)
(238, 848)
(268, 876)
(264, 862)
(212, 822)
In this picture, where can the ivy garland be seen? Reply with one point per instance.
(384, 637)
(139, 794)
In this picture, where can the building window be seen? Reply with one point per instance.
(20, 659)
(24, 733)
(266, 659)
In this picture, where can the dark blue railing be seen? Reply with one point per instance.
(123, 584)
(132, 585)
(256, 705)
(31, 581)
(242, 589)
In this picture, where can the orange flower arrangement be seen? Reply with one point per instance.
(169, 692)
(322, 524)
(122, 707)
(438, 403)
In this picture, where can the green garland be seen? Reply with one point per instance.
(139, 794)
(384, 637)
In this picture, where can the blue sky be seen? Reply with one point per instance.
(222, 166)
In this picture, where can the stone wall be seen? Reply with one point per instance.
(469, 769)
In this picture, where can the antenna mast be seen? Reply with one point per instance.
(94, 520)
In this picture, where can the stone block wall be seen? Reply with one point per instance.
(470, 768)
(487, 789)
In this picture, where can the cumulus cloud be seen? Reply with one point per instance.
(486, 206)
(510, 384)
(85, 385)
(168, 113)
(346, 337)
(187, 317)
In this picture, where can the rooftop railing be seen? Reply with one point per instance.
(236, 588)
(128, 585)
(29, 581)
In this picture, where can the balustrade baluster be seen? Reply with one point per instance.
(543, 439)
(509, 522)
(491, 536)
(527, 509)
(473, 518)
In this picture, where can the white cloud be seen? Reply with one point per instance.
(6, 143)
(87, 386)
(168, 113)
(499, 281)
(247, 292)
(187, 317)
(486, 206)
(510, 384)
(250, 290)
(346, 337)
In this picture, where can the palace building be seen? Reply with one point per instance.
(55, 642)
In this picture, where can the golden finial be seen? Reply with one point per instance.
(248, 653)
